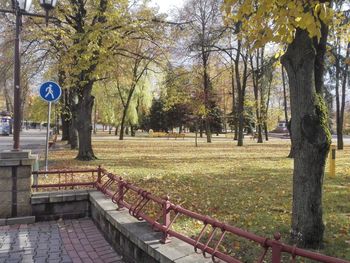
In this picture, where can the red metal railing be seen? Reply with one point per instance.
(64, 179)
(136, 200)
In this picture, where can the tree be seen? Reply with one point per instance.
(261, 68)
(338, 57)
(303, 27)
(139, 64)
(94, 33)
(157, 116)
(241, 84)
(176, 94)
(265, 92)
(206, 29)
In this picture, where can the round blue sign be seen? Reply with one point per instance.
(50, 91)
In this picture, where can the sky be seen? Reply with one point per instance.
(166, 5)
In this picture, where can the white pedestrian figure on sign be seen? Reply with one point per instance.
(49, 92)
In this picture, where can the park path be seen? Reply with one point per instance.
(69, 241)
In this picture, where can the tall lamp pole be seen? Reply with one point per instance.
(20, 8)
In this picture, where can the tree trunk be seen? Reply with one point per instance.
(289, 127)
(65, 125)
(266, 131)
(65, 116)
(116, 130)
(84, 125)
(256, 82)
(73, 136)
(311, 139)
(207, 91)
(240, 120)
(288, 122)
(95, 118)
(337, 101)
(241, 85)
(132, 130)
(265, 107)
(122, 128)
(284, 96)
(208, 129)
(234, 114)
(342, 106)
(235, 136)
(341, 75)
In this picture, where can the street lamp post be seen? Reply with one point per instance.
(20, 8)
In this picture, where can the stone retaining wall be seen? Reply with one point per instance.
(135, 240)
(60, 205)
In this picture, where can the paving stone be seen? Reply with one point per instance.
(68, 241)
(13, 261)
(40, 259)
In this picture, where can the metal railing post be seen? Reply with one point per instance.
(166, 220)
(35, 180)
(120, 193)
(99, 175)
(276, 248)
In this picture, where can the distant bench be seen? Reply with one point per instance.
(175, 135)
(168, 135)
(158, 134)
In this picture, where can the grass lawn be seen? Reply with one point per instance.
(249, 187)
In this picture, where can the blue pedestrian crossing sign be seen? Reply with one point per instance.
(50, 91)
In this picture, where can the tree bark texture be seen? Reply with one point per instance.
(240, 120)
(84, 125)
(344, 83)
(65, 116)
(73, 135)
(266, 132)
(241, 83)
(207, 91)
(288, 122)
(125, 111)
(340, 144)
(234, 103)
(259, 58)
(311, 139)
(340, 79)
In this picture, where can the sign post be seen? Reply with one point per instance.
(50, 92)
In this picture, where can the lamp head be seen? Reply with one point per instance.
(48, 4)
(24, 5)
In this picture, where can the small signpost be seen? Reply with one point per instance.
(50, 92)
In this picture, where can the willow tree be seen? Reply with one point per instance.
(303, 27)
(132, 77)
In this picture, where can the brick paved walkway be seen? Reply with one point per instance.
(72, 241)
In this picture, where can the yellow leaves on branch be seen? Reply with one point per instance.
(276, 20)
